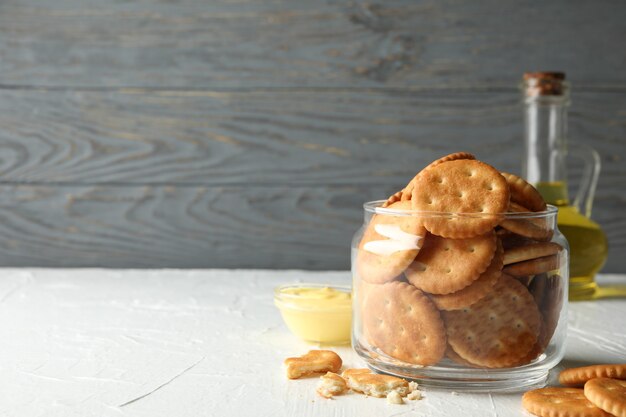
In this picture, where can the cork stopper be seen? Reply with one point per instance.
(544, 84)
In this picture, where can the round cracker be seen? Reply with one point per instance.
(453, 356)
(577, 377)
(523, 193)
(408, 190)
(461, 187)
(476, 290)
(444, 266)
(560, 402)
(533, 266)
(530, 251)
(532, 228)
(402, 322)
(378, 268)
(607, 394)
(498, 330)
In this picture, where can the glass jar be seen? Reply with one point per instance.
(484, 313)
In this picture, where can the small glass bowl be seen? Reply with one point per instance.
(315, 316)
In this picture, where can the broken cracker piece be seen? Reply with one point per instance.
(376, 385)
(394, 398)
(314, 362)
(331, 384)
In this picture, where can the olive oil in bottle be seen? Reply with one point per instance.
(588, 244)
(546, 98)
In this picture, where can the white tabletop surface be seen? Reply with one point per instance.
(93, 342)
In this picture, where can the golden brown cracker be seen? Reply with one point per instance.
(476, 290)
(376, 266)
(560, 402)
(533, 267)
(523, 193)
(402, 322)
(498, 330)
(529, 227)
(444, 266)
(530, 251)
(453, 356)
(376, 385)
(576, 377)
(313, 362)
(461, 186)
(407, 193)
(607, 394)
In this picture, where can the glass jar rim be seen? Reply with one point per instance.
(375, 208)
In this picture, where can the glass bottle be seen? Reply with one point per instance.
(546, 99)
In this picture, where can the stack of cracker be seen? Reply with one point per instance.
(469, 273)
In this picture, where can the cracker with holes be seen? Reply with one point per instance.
(454, 357)
(476, 290)
(498, 330)
(389, 245)
(607, 394)
(444, 266)
(402, 322)
(314, 362)
(560, 402)
(407, 192)
(462, 186)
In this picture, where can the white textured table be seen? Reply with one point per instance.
(202, 342)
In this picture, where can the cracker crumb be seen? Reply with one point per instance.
(454, 393)
(394, 398)
(414, 395)
(413, 386)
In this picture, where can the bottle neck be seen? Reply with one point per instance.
(545, 124)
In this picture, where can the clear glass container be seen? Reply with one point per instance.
(498, 320)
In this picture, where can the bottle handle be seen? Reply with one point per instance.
(589, 181)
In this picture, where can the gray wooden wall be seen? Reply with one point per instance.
(190, 133)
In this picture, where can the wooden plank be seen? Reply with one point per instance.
(230, 227)
(226, 138)
(188, 227)
(281, 43)
(266, 138)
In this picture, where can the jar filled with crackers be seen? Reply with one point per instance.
(460, 280)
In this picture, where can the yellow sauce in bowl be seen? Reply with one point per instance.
(316, 313)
